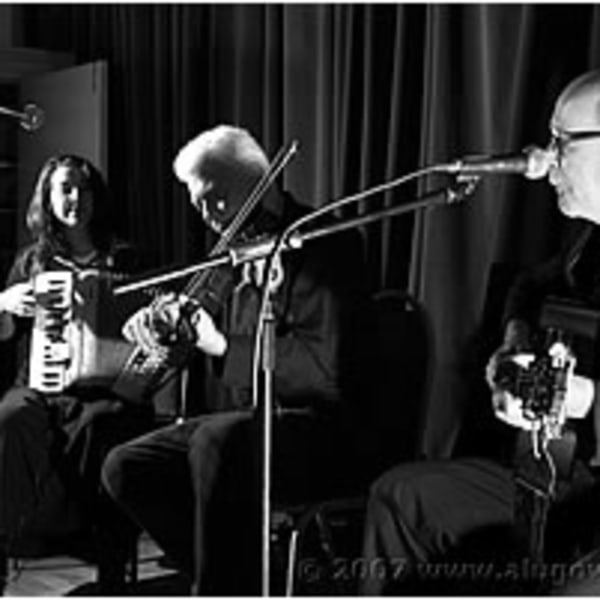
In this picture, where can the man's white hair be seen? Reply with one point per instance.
(223, 148)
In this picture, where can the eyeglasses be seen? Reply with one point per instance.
(561, 139)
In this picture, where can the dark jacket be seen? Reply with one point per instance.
(321, 330)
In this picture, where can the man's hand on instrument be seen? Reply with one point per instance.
(139, 329)
(501, 372)
(154, 327)
(177, 319)
(208, 338)
(512, 361)
(19, 300)
(509, 408)
(501, 368)
(516, 343)
(168, 323)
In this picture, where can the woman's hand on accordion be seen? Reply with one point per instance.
(208, 338)
(168, 323)
(19, 300)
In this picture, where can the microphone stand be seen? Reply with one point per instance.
(266, 341)
(264, 410)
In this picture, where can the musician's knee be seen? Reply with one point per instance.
(207, 437)
(226, 434)
(417, 489)
(398, 483)
(119, 472)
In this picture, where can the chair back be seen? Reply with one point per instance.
(401, 373)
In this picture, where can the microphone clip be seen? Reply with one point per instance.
(465, 184)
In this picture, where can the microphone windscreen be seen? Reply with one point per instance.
(33, 117)
(539, 162)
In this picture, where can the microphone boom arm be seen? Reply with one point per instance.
(448, 195)
(9, 112)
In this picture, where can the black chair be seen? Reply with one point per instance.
(401, 375)
(322, 541)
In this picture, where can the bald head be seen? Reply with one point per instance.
(578, 106)
(575, 129)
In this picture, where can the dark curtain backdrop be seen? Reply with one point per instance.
(371, 92)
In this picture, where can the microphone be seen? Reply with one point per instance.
(32, 117)
(532, 162)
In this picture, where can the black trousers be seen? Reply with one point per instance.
(52, 448)
(195, 487)
(446, 512)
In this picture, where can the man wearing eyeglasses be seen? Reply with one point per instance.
(443, 525)
(575, 129)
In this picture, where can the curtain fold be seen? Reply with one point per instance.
(371, 91)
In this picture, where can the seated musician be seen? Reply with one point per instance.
(424, 513)
(53, 441)
(195, 486)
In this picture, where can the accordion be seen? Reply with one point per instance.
(579, 325)
(76, 340)
(555, 380)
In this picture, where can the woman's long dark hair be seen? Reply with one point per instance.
(45, 229)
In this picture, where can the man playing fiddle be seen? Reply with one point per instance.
(194, 486)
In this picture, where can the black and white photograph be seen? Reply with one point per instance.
(299, 299)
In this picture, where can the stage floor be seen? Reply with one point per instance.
(69, 576)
